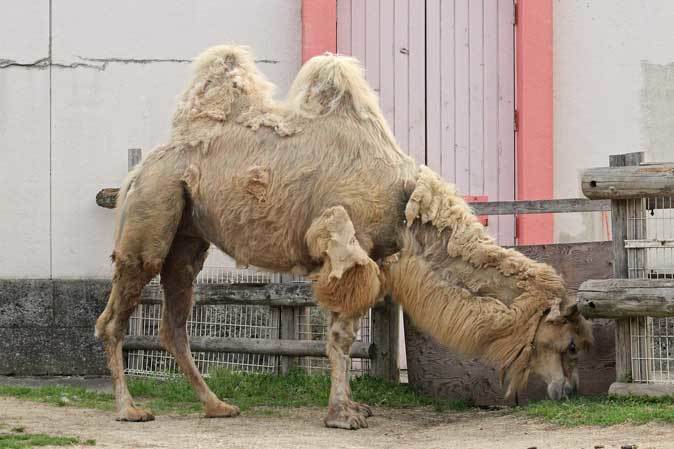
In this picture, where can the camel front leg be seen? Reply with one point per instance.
(343, 413)
(347, 284)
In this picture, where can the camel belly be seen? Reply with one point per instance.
(250, 236)
(269, 231)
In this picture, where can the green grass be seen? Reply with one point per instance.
(248, 391)
(269, 394)
(27, 440)
(604, 410)
(60, 396)
(297, 389)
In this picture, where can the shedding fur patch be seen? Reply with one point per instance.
(331, 237)
(435, 201)
(257, 182)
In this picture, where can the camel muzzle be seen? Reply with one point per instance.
(562, 389)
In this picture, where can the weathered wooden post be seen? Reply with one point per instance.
(619, 216)
(385, 338)
(638, 295)
(287, 329)
(135, 156)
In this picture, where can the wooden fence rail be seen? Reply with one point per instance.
(623, 298)
(631, 181)
(295, 348)
(521, 207)
(108, 196)
(382, 351)
(276, 295)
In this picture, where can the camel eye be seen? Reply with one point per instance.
(572, 348)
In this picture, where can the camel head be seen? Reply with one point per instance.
(561, 335)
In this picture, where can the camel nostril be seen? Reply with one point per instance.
(569, 390)
(555, 391)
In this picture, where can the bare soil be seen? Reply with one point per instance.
(303, 428)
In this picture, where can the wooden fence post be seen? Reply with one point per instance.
(135, 156)
(287, 331)
(385, 338)
(619, 215)
(287, 325)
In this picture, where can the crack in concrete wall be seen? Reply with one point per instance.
(100, 63)
(41, 63)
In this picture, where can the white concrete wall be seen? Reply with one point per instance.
(65, 127)
(614, 93)
(24, 140)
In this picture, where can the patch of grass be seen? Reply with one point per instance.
(265, 391)
(60, 396)
(27, 440)
(604, 410)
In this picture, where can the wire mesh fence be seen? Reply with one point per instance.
(650, 255)
(231, 321)
(312, 325)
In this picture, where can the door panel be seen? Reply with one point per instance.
(444, 71)
(387, 36)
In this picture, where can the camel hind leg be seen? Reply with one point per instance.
(128, 283)
(151, 212)
(183, 263)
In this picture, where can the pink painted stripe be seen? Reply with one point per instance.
(319, 27)
(534, 106)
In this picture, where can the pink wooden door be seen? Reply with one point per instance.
(444, 71)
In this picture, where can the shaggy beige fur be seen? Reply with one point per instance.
(317, 185)
(487, 299)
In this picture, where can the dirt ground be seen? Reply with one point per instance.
(303, 428)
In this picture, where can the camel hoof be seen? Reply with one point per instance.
(361, 408)
(348, 419)
(135, 414)
(222, 410)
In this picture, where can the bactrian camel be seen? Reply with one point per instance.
(316, 185)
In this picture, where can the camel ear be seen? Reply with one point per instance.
(555, 313)
(571, 312)
(332, 236)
